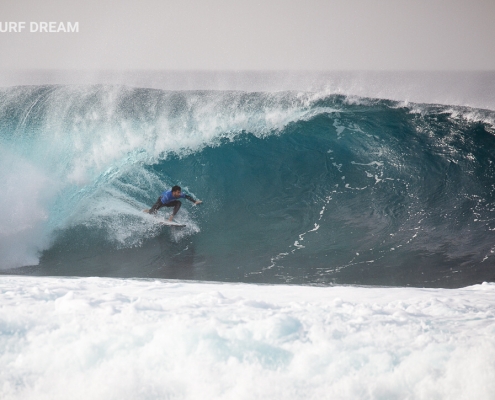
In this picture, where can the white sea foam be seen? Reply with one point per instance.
(26, 193)
(102, 338)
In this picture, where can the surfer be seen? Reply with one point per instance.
(169, 199)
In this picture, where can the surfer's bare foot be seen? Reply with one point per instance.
(171, 218)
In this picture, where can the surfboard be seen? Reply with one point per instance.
(168, 223)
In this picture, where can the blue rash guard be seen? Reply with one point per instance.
(167, 197)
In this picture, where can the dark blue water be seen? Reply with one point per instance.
(296, 187)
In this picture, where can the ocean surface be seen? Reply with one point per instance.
(344, 249)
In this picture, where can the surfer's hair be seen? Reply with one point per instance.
(176, 188)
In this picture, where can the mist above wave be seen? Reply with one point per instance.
(461, 88)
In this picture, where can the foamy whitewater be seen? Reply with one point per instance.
(324, 200)
(101, 338)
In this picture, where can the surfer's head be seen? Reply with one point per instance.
(176, 190)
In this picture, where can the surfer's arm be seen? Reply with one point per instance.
(193, 200)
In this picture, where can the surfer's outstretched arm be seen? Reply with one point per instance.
(192, 199)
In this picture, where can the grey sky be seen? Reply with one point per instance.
(254, 35)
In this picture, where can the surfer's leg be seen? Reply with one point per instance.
(176, 205)
(156, 206)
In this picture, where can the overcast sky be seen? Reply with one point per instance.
(253, 35)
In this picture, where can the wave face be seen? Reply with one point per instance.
(297, 187)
